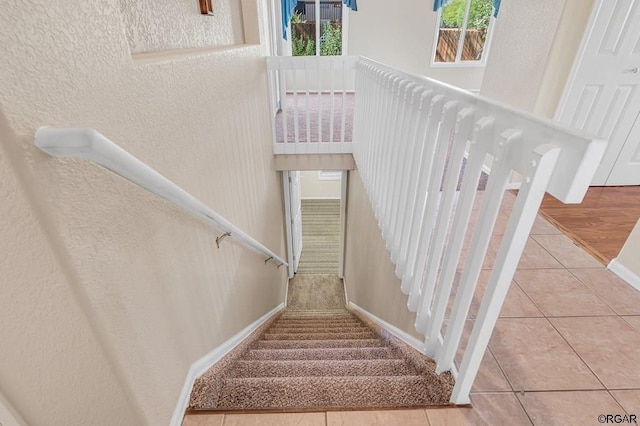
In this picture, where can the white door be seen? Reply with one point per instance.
(603, 92)
(293, 216)
(626, 170)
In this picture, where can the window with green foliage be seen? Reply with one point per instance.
(463, 31)
(305, 40)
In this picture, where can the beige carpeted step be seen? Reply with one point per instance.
(316, 368)
(320, 328)
(320, 353)
(320, 313)
(318, 344)
(347, 392)
(301, 322)
(320, 336)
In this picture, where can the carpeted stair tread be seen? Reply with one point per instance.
(320, 353)
(294, 322)
(317, 368)
(324, 328)
(317, 323)
(302, 392)
(323, 313)
(317, 327)
(319, 336)
(320, 269)
(318, 344)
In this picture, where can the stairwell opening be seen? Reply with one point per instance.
(318, 354)
(315, 218)
(320, 207)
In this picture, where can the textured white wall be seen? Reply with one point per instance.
(401, 34)
(630, 254)
(109, 293)
(533, 48)
(313, 187)
(522, 40)
(158, 25)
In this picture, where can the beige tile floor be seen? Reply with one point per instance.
(565, 350)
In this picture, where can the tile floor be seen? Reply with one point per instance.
(565, 350)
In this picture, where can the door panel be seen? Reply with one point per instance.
(296, 217)
(627, 167)
(603, 93)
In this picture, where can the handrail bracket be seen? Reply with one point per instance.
(222, 237)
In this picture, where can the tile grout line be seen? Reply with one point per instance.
(617, 402)
(601, 266)
(589, 287)
(577, 354)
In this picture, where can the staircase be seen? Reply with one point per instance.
(318, 360)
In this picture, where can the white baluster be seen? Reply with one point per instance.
(308, 100)
(412, 281)
(413, 152)
(431, 115)
(284, 103)
(319, 97)
(294, 83)
(480, 144)
(385, 170)
(332, 100)
(447, 201)
(518, 228)
(395, 160)
(496, 185)
(399, 167)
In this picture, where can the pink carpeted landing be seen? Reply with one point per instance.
(311, 109)
(320, 360)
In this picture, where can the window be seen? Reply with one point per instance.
(311, 36)
(464, 32)
(329, 175)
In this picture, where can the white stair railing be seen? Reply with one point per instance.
(315, 94)
(93, 146)
(411, 138)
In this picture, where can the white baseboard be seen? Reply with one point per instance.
(402, 335)
(203, 364)
(625, 273)
(320, 198)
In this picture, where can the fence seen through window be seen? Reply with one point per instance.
(463, 31)
(305, 38)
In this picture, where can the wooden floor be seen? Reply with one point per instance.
(602, 223)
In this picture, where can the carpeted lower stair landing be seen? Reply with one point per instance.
(317, 360)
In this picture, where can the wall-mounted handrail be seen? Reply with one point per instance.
(93, 146)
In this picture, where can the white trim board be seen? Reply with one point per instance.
(402, 335)
(203, 364)
(625, 273)
(320, 198)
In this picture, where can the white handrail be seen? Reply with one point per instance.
(92, 145)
